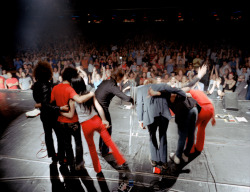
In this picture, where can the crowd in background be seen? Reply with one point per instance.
(141, 57)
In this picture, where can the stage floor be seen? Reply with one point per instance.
(224, 164)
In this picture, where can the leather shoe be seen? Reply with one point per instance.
(100, 175)
(123, 167)
(153, 163)
(165, 166)
(106, 154)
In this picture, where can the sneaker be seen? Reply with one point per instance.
(153, 163)
(33, 113)
(185, 158)
(123, 167)
(100, 175)
(165, 166)
(106, 154)
(174, 158)
(79, 166)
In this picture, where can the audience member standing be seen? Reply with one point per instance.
(18, 63)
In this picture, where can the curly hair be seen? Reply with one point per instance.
(43, 71)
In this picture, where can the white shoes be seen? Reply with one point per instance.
(176, 159)
(185, 158)
(33, 113)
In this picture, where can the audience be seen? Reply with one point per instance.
(25, 82)
(241, 87)
(174, 62)
(11, 82)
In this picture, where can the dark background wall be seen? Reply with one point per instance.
(206, 21)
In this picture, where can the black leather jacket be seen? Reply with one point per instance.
(42, 94)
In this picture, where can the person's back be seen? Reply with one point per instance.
(84, 113)
(200, 97)
(107, 90)
(103, 94)
(61, 93)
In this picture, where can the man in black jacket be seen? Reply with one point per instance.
(104, 94)
(49, 113)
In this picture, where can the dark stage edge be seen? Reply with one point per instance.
(223, 165)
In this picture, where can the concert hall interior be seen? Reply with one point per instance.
(152, 78)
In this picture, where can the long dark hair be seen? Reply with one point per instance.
(79, 86)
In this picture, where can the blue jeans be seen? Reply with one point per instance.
(186, 129)
(158, 153)
(248, 92)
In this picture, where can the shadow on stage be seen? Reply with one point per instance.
(72, 180)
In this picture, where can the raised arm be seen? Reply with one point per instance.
(212, 72)
(82, 72)
(93, 75)
(103, 73)
(216, 72)
(201, 72)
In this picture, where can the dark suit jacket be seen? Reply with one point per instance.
(150, 107)
(107, 90)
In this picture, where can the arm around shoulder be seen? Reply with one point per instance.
(83, 98)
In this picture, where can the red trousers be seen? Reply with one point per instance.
(204, 117)
(89, 127)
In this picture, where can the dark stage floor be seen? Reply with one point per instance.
(224, 165)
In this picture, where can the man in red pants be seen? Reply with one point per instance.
(206, 113)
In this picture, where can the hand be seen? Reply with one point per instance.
(64, 108)
(141, 125)
(38, 105)
(92, 93)
(106, 123)
(213, 122)
(202, 71)
(151, 92)
(188, 95)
